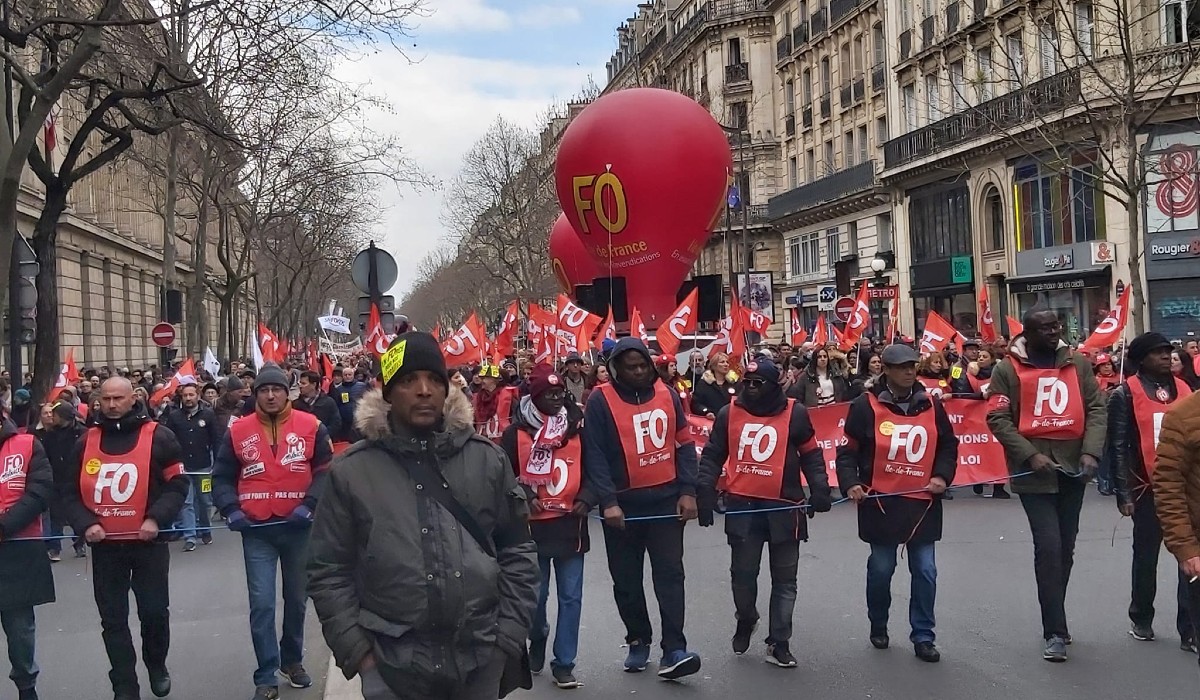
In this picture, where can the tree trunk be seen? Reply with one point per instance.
(47, 353)
(197, 315)
(1133, 221)
(169, 206)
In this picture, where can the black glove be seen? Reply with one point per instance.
(821, 503)
(705, 517)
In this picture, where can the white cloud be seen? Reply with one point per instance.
(465, 15)
(442, 106)
(543, 16)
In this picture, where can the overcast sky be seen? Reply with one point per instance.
(475, 60)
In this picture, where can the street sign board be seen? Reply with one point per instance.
(163, 335)
(843, 308)
(385, 269)
(826, 296)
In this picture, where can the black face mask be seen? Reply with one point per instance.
(768, 400)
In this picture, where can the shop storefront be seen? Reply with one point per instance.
(1173, 283)
(940, 239)
(1074, 281)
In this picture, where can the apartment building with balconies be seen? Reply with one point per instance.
(1004, 148)
(720, 53)
(833, 117)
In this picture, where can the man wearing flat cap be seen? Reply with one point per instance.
(1135, 414)
(268, 476)
(422, 568)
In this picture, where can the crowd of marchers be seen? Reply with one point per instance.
(426, 509)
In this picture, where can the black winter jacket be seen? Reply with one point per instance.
(803, 456)
(165, 498)
(198, 433)
(710, 397)
(59, 444)
(1130, 481)
(565, 535)
(893, 520)
(325, 409)
(25, 576)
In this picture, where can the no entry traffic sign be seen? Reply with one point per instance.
(163, 335)
(843, 307)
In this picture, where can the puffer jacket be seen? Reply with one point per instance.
(393, 574)
(1004, 410)
(1177, 479)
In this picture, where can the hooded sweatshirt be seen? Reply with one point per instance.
(605, 472)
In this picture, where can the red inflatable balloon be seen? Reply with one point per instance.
(642, 175)
(571, 262)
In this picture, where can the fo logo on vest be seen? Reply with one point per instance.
(558, 478)
(914, 439)
(120, 480)
(1052, 391)
(761, 439)
(652, 424)
(14, 467)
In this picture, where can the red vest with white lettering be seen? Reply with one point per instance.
(557, 497)
(274, 479)
(1148, 414)
(117, 487)
(15, 457)
(934, 386)
(758, 451)
(905, 447)
(493, 428)
(648, 435)
(1051, 402)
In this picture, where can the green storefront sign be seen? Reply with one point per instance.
(960, 270)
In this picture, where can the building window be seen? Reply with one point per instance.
(825, 77)
(1058, 206)
(1181, 21)
(735, 51)
(828, 166)
(807, 260)
(1048, 47)
(905, 14)
(806, 87)
(883, 231)
(994, 207)
(863, 155)
(789, 93)
(793, 176)
(986, 73)
(848, 148)
(856, 57)
(739, 116)
(878, 44)
(908, 95)
(844, 67)
(1085, 30)
(793, 258)
(939, 222)
(787, 23)
(1016, 60)
(958, 86)
(933, 111)
(833, 247)
(852, 236)
(810, 165)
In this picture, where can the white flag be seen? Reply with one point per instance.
(255, 350)
(211, 363)
(335, 324)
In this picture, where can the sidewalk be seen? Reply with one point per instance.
(338, 688)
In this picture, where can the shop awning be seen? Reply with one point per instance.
(1062, 279)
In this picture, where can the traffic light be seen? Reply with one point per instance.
(27, 271)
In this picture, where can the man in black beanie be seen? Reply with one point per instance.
(774, 442)
(1135, 413)
(456, 554)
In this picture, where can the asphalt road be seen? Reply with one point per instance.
(211, 656)
(988, 623)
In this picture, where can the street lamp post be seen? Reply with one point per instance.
(742, 202)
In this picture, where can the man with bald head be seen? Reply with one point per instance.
(128, 482)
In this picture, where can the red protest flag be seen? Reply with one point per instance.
(937, 335)
(680, 324)
(377, 339)
(987, 324)
(821, 332)
(68, 373)
(270, 345)
(756, 321)
(577, 321)
(437, 331)
(799, 334)
(327, 370)
(859, 321)
(893, 320)
(637, 329)
(507, 334)
(1014, 327)
(467, 344)
(1108, 333)
(186, 374)
(607, 331)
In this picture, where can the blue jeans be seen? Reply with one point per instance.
(569, 576)
(264, 548)
(20, 630)
(197, 509)
(921, 565)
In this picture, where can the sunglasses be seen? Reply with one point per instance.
(754, 383)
